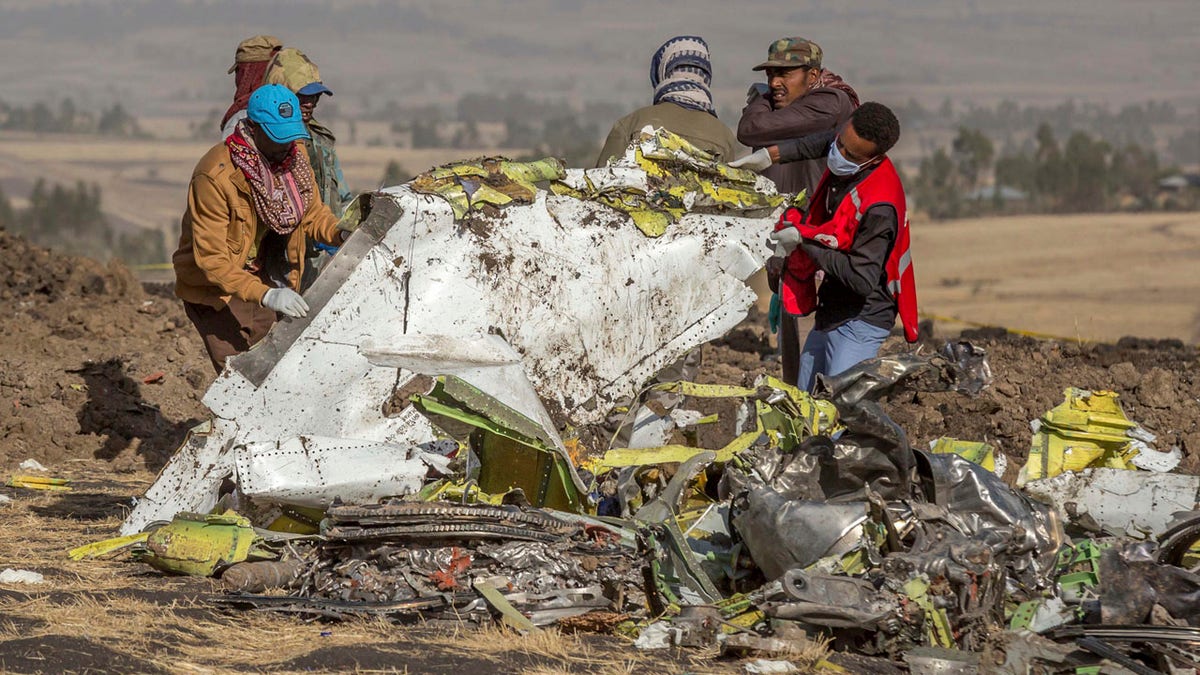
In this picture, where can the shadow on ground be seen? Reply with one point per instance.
(116, 410)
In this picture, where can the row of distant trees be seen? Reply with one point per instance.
(1084, 174)
(1007, 123)
(551, 127)
(70, 219)
(68, 118)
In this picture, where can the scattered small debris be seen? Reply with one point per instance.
(31, 465)
(12, 576)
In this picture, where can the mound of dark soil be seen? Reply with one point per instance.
(94, 365)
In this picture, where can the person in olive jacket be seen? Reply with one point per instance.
(252, 205)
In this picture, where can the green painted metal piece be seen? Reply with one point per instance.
(201, 545)
(513, 450)
(1079, 569)
(1023, 614)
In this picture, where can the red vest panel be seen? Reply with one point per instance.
(798, 290)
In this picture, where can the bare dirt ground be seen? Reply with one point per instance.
(100, 377)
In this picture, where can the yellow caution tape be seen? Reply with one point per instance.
(39, 483)
(1015, 331)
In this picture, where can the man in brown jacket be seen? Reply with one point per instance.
(252, 205)
(799, 98)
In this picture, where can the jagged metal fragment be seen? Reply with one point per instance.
(589, 305)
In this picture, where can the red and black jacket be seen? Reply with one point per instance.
(837, 230)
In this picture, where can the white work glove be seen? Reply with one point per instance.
(785, 241)
(756, 161)
(286, 302)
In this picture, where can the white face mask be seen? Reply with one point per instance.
(839, 165)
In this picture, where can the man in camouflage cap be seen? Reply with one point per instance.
(792, 52)
(799, 98)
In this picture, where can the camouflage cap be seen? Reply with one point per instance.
(294, 70)
(792, 52)
(257, 48)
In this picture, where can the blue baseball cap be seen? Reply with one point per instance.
(277, 110)
(313, 88)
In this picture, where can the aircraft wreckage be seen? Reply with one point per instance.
(467, 425)
(473, 288)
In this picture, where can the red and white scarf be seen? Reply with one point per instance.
(281, 193)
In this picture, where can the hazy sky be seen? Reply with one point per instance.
(170, 56)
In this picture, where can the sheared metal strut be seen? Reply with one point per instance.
(427, 531)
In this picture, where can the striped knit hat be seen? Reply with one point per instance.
(681, 73)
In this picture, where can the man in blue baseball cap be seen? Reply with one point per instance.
(252, 206)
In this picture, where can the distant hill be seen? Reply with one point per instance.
(170, 56)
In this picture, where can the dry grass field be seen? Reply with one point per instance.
(144, 182)
(115, 615)
(1095, 277)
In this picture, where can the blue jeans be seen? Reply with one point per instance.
(831, 352)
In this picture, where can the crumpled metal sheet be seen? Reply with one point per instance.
(876, 438)
(592, 306)
(1138, 504)
(783, 533)
(1133, 582)
(983, 507)
(971, 372)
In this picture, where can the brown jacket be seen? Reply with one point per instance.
(696, 126)
(819, 110)
(218, 232)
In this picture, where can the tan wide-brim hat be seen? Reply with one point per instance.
(254, 49)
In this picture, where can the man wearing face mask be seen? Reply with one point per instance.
(856, 231)
(294, 70)
(252, 205)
